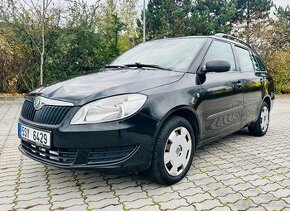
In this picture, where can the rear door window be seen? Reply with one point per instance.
(245, 58)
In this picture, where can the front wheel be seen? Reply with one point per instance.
(173, 151)
(260, 127)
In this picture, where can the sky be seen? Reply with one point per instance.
(283, 3)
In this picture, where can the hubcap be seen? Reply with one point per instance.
(264, 119)
(177, 151)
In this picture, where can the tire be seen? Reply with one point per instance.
(172, 158)
(260, 127)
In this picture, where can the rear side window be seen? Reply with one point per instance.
(221, 51)
(245, 60)
(259, 66)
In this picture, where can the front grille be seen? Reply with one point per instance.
(74, 156)
(58, 155)
(51, 115)
(110, 155)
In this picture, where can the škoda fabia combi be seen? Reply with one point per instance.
(150, 109)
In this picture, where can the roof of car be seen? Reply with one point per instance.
(218, 36)
(232, 38)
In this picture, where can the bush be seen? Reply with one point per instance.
(15, 62)
(279, 66)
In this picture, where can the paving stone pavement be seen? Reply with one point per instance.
(238, 172)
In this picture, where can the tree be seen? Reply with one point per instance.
(283, 13)
(33, 18)
(15, 60)
(44, 8)
(271, 39)
(271, 35)
(155, 12)
(109, 27)
(252, 11)
(77, 47)
(279, 66)
(170, 18)
(81, 14)
(214, 16)
(128, 17)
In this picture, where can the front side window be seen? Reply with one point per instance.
(175, 54)
(245, 60)
(221, 51)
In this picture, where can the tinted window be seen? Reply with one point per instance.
(259, 66)
(221, 51)
(245, 60)
(176, 54)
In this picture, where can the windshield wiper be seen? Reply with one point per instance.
(140, 65)
(116, 66)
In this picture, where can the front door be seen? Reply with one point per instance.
(222, 97)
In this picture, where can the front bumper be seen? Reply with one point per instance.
(124, 146)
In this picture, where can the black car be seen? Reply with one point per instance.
(151, 108)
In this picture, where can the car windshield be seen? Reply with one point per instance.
(174, 54)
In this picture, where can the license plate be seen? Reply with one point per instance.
(38, 137)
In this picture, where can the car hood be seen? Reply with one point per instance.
(84, 89)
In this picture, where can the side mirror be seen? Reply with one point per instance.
(218, 66)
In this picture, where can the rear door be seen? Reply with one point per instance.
(222, 98)
(253, 84)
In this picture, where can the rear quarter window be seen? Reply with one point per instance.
(259, 65)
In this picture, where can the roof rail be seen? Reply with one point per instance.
(232, 38)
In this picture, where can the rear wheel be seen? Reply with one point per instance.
(260, 127)
(173, 151)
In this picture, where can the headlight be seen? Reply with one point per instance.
(109, 109)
